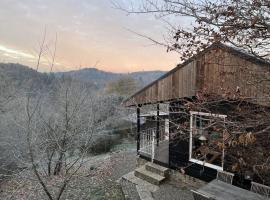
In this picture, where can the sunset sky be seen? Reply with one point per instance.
(89, 32)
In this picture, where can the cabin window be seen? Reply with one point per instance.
(206, 144)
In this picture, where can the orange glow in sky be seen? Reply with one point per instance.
(90, 34)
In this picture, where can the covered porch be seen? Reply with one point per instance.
(153, 134)
(180, 138)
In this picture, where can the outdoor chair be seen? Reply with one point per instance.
(260, 189)
(200, 196)
(226, 177)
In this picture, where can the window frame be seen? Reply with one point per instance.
(192, 113)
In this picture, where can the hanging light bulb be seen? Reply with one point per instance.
(202, 138)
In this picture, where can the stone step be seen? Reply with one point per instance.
(157, 169)
(140, 182)
(136, 188)
(148, 176)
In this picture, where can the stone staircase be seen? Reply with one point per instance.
(135, 188)
(143, 182)
(152, 173)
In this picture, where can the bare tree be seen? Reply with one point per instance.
(58, 124)
(53, 135)
(241, 23)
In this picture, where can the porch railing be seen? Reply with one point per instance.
(147, 137)
(148, 140)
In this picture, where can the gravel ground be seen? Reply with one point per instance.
(169, 191)
(95, 181)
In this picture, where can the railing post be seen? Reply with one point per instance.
(153, 145)
(138, 128)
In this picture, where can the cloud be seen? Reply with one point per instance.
(13, 53)
(87, 31)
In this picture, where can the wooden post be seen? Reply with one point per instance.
(138, 128)
(158, 123)
(170, 130)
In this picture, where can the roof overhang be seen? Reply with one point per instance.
(131, 101)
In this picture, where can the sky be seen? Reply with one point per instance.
(90, 33)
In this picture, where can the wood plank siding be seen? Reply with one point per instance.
(219, 69)
(228, 74)
(180, 83)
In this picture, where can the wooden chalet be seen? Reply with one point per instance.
(217, 100)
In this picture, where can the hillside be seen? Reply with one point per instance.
(22, 76)
(99, 77)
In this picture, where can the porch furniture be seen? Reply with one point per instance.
(260, 189)
(220, 190)
(200, 196)
(205, 150)
(226, 177)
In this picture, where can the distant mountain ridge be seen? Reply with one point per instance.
(20, 74)
(100, 77)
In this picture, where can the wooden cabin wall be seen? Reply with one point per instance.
(221, 71)
(225, 73)
(177, 84)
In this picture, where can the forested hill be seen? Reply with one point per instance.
(100, 78)
(21, 75)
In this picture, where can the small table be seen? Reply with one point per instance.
(224, 191)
